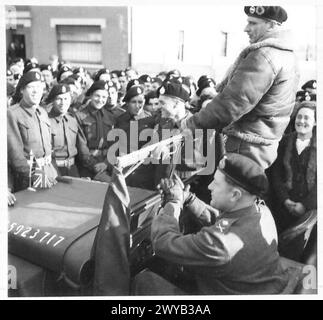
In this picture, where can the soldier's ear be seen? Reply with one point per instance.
(236, 194)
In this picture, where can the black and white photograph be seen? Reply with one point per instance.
(157, 150)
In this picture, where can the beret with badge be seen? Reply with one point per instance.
(156, 79)
(57, 90)
(311, 84)
(174, 90)
(134, 82)
(112, 84)
(97, 85)
(173, 74)
(115, 73)
(30, 66)
(100, 72)
(274, 13)
(145, 78)
(43, 67)
(26, 78)
(245, 173)
(133, 92)
(305, 96)
(62, 70)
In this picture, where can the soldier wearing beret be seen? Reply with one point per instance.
(96, 122)
(122, 77)
(46, 71)
(12, 81)
(74, 83)
(115, 78)
(257, 95)
(102, 74)
(133, 116)
(156, 83)
(134, 82)
(68, 140)
(151, 106)
(172, 99)
(64, 72)
(29, 133)
(131, 73)
(146, 79)
(235, 250)
(112, 105)
(31, 66)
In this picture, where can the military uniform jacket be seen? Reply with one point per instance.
(68, 139)
(235, 255)
(28, 130)
(95, 125)
(125, 121)
(115, 111)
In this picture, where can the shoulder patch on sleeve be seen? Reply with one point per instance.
(224, 225)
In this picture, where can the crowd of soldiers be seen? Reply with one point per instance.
(60, 117)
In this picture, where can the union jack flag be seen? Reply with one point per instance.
(41, 180)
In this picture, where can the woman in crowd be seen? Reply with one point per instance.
(294, 183)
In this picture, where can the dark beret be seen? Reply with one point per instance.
(133, 92)
(43, 67)
(111, 84)
(201, 78)
(205, 83)
(173, 73)
(62, 70)
(57, 90)
(134, 82)
(311, 84)
(145, 78)
(305, 96)
(69, 80)
(97, 85)
(100, 72)
(245, 173)
(275, 13)
(29, 66)
(115, 73)
(150, 95)
(28, 77)
(173, 89)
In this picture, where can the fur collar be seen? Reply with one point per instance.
(278, 40)
(311, 168)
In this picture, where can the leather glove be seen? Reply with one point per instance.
(173, 190)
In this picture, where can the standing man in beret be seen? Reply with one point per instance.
(29, 133)
(257, 96)
(96, 122)
(235, 250)
(68, 140)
